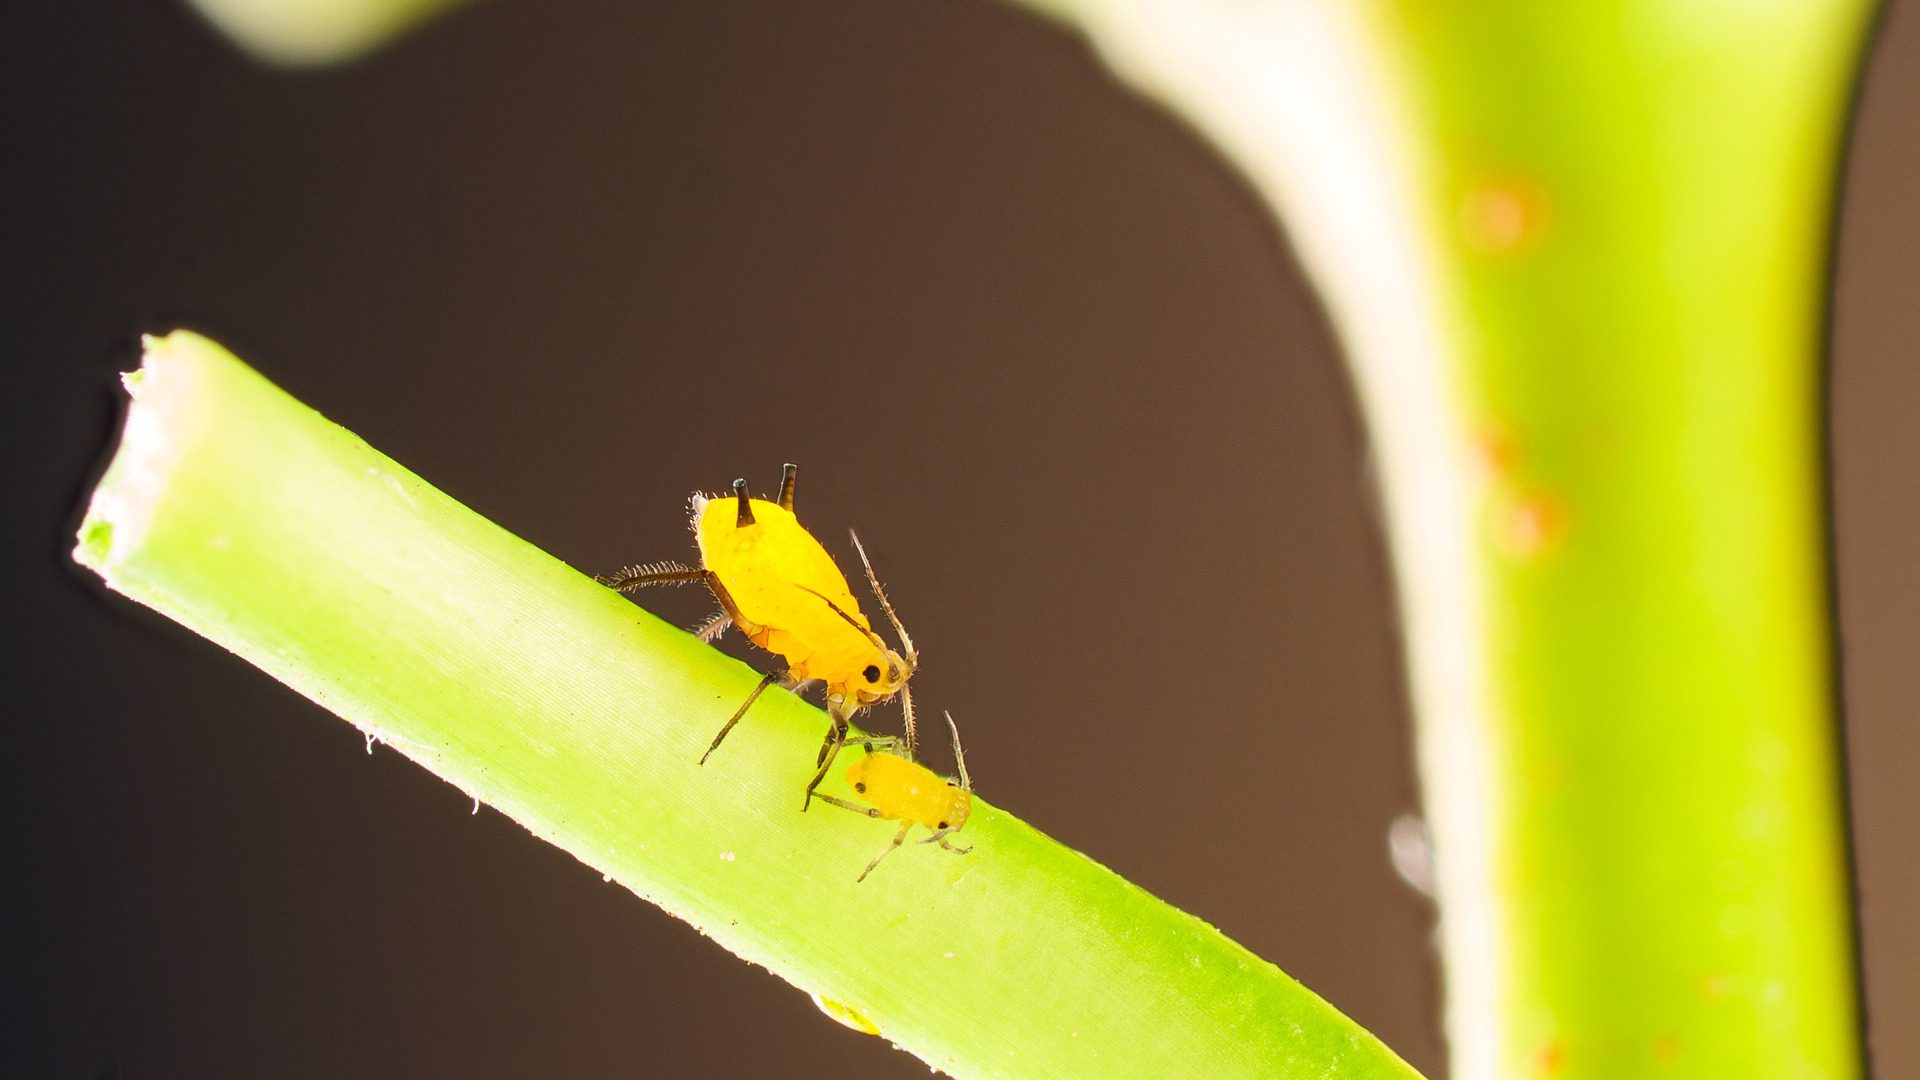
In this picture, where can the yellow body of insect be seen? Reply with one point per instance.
(899, 789)
(907, 791)
(779, 585)
(790, 599)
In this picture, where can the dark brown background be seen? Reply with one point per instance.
(569, 261)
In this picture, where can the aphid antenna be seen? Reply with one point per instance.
(880, 594)
(959, 755)
(906, 640)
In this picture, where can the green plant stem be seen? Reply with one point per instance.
(249, 518)
(1578, 253)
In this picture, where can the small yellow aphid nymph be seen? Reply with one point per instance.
(781, 588)
(906, 791)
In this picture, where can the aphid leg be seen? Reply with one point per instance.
(839, 722)
(737, 714)
(898, 839)
(829, 748)
(863, 811)
(870, 743)
(940, 837)
(788, 473)
(744, 517)
(732, 609)
(673, 573)
(660, 573)
(715, 626)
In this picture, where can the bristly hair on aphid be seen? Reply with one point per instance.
(629, 577)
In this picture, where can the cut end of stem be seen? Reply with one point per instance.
(160, 392)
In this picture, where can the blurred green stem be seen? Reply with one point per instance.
(248, 517)
(308, 32)
(1578, 251)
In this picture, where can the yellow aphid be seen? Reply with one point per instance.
(781, 588)
(912, 794)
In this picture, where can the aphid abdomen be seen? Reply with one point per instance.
(787, 586)
(813, 648)
(804, 662)
(902, 790)
(804, 657)
(770, 566)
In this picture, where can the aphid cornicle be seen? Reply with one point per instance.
(781, 588)
(912, 794)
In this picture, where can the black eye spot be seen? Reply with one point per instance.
(861, 788)
(942, 825)
(872, 674)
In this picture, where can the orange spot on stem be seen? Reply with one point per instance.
(1495, 449)
(1503, 214)
(1530, 525)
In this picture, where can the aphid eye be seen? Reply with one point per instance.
(872, 674)
(861, 788)
(942, 825)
